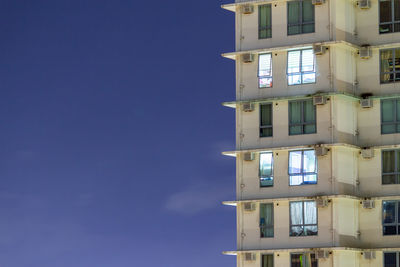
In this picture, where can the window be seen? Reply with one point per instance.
(391, 167)
(303, 218)
(300, 68)
(264, 21)
(390, 259)
(390, 116)
(390, 217)
(302, 117)
(266, 120)
(267, 260)
(300, 16)
(389, 16)
(390, 65)
(302, 167)
(266, 170)
(267, 220)
(303, 260)
(265, 70)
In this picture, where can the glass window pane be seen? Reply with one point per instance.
(294, 61)
(388, 161)
(293, 130)
(307, 60)
(294, 79)
(310, 212)
(265, 82)
(264, 65)
(308, 11)
(309, 111)
(310, 230)
(385, 11)
(267, 261)
(295, 160)
(386, 60)
(308, 78)
(388, 128)
(387, 110)
(396, 10)
(389, 179)
(389, 212)
(266, 115)
(266, 164)
(386, 28)
(310, 179)
(309, 129)
(296, 180)
(396, 60)
(309, 164)
(389, 230)
(390, 259)
(266, 132)
(296, 213)
(296, 230)
(295, 112)
(293, 12)
(308, 28)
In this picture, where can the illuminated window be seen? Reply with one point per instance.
(303, 218)
(267, 220)
(265, 70)
(302, 167)
(300, 68)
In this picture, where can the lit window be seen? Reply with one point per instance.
(267, 220)
(391, 167)
(265, 70)
(390, 259)
(267, 260)
(302, 167)
(303, 260)
(300, 68)
(389, 16)
(264, 21)
(266, 120)
(390, 65)
(390, 217)
(266, 170)
(302, 117)
(390, 116)
(300, 16)
(303, 218)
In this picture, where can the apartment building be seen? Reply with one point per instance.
(317, 133)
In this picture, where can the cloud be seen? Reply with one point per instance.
(196, 199)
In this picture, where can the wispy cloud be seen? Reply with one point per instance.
(199, 198)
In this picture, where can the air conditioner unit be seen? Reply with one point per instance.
(366, 103)
(322, 254)
(319, 49)
(364, 4)
(319, 100)
(247, 9)
(367, 153)
(321, 151)
(248, 156)
(368, 204)
(247, 58)
(369, 255)
(248, 256)
(248, 107)
(322, 202)
(365, 52)
(249, 206)
(318, 2)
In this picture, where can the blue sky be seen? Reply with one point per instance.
(112, 130)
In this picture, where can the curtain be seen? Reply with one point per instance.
(267, 260)
(264, 65)
(267, 220)
(266, 115)
(295, 158)
(293, 17)
(307, 60)
(296, 218)
(309, 117)
(309, 160)
(264, 23)
(388, 166)
(294, 61)
(308, 16)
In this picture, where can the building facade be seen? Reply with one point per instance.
(317, 133)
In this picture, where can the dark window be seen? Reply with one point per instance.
(264, 21)
(390, 217)
(303, 260)
(300, 16)
(266, 120)
(390, 116)
(390, 65)
(267, 220)
(389, 16)
(267, 260)
(391, 166)
(302, 117)
(391, 259)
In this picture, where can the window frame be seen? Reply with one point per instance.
(393, 72)
(397, 257)
(266, 126)
(271, 226)
(397, 221)
(303, 217)
(301, 22)
(268, 22)
(303, 253)
(396, 121)
(265, 76)
(302, 123)
(396, 167)
(301, 72)
(302, 164)
(272, 169)
(392, 22)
